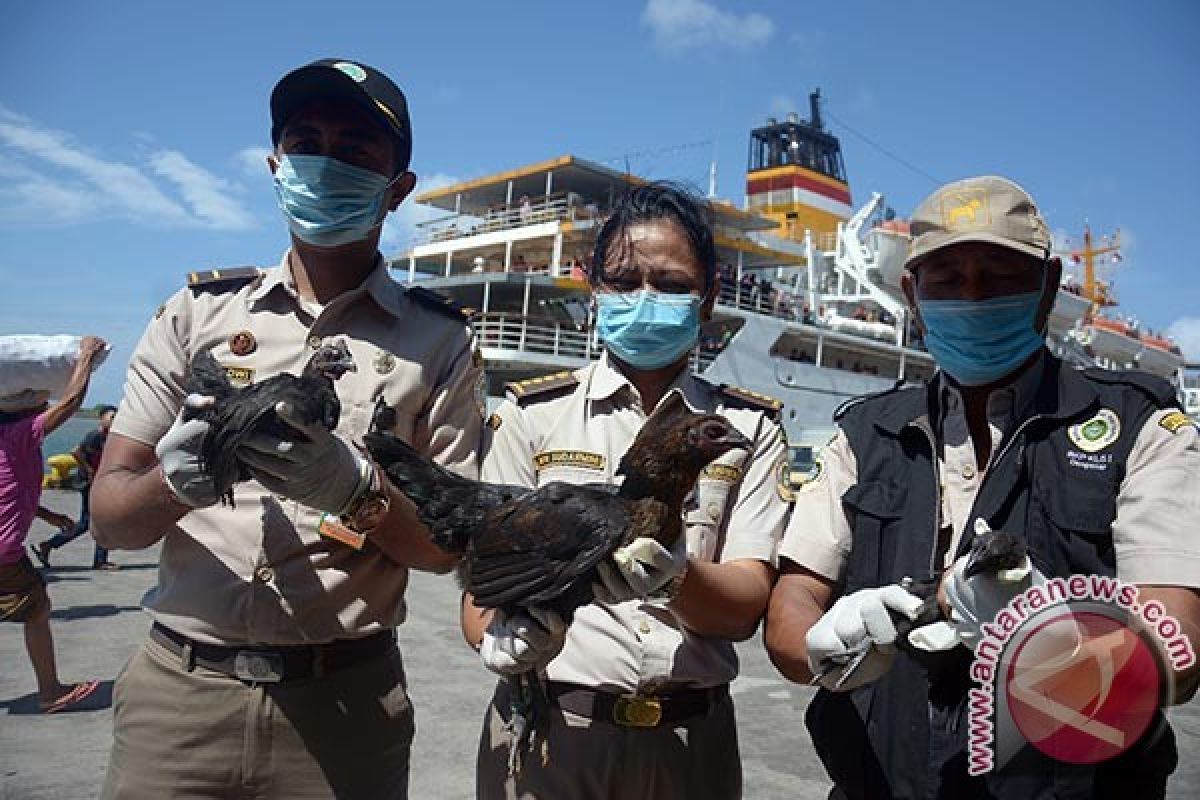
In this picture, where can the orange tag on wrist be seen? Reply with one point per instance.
(332, 528)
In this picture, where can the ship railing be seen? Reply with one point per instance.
(546, 336)
(775, 302)
(455, 226)
(530, 334)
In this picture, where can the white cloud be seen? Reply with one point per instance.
(253, 161)
(679, 25)
(206, 194)
(1186, 333)
(29, 197)
(58, 180)
(400, 227)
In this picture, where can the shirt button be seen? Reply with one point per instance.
(644, 625)
(264, 574)
(314, 342)
(968, 472)
(714, 512)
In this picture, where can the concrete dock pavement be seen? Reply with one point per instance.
(97, 623)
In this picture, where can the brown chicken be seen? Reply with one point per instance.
(539, 548)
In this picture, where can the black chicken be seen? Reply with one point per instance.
(1002, 554)
(236, 413)
(539, 548)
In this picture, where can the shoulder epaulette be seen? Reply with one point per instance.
(845, 407)
(438, 302)
(749, 399)
(541, 386)
(226, 279)
(1159, 389)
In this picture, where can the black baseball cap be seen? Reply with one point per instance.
(359, 83)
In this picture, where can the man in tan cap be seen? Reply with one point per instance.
(1095, 471)
(271, 670)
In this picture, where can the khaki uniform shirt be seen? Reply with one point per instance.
(260, 572)
(736, 512)
(1158, 504)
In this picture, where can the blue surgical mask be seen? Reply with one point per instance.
(648, 330)
(327, 202)
(978, 342)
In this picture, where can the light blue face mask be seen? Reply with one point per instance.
(978, 342)
(648, 330)
(328, 202)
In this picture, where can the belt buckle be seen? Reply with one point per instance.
(256, 666)
(635, 711)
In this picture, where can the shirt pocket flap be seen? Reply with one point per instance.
(1087, 507)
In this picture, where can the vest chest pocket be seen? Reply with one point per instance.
(1072, 522)
(875, 510)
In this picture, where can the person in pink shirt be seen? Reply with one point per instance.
(25, 420)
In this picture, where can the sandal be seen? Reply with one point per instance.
(42, 551)
(72, 700)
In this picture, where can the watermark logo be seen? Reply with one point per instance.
(1076, 667)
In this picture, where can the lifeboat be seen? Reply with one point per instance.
(890, 243)
(1112, 340)
(858, 327)
(1159, 355)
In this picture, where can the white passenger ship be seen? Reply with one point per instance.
(810, 310)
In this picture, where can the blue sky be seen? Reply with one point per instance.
(132, 133)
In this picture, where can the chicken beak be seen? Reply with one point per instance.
(735, 440)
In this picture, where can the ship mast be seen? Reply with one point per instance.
(1093, 289)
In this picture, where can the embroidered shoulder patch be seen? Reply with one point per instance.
(1096, 433)
(1175, 421)
(721, 472)
(783, 481)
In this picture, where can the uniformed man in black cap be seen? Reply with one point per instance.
(271, 669)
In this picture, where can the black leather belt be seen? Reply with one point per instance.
(274, 664)
(635, 711)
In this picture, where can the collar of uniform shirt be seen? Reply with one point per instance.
(378, 284)
(1004, 405)
(606, 380)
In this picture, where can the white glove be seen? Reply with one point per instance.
(853, 643)
(527, 640)
(638, 569)
(325, 472)
(178, 454)
(977, 600)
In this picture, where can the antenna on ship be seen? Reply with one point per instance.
(712, 180)
(1094, 289)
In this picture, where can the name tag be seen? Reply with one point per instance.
(581, 459)
(240, 376)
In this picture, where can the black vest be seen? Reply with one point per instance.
(904, 736)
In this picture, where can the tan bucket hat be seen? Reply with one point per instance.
(984, 209)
